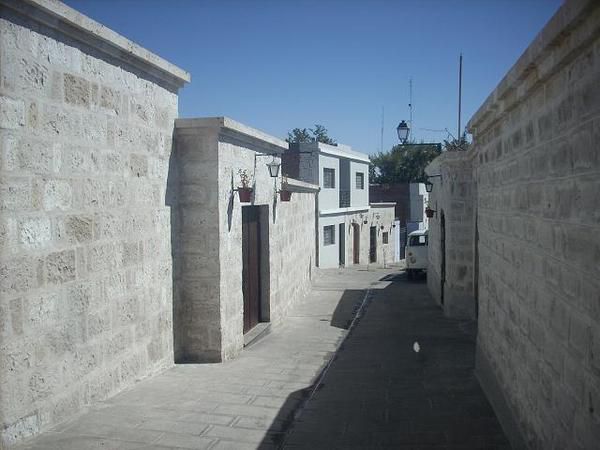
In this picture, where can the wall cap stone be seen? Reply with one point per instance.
(529, 69)
(339, 151)
(383, 205)
(57, 15)
(294, 185)
(226, 126)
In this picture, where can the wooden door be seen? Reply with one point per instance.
(373, 245)
(251, 266)
(342, 244)
(356, 243)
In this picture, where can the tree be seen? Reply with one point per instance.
(403, 163)
(316, 134)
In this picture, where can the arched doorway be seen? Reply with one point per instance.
(443, 255)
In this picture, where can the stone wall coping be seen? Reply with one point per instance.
(293, 185)
(339, 151)
(537, 62)
(383, 205)
(342, 211)
(57, 15)
(227, 126)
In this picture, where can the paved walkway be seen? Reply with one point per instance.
(376, 393)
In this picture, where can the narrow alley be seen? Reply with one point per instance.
(288, 390)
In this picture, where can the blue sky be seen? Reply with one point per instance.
(277, 65)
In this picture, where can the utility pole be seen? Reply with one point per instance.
(459, 134)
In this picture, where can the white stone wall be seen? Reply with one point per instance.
(210, 153)
(535, 235)
(452, 199)
(85, 262)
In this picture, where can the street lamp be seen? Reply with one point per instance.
(403, 131)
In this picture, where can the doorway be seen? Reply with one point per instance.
(355, 243)
(373, 244)
(342, 244)
(251, 265)
(443, 255)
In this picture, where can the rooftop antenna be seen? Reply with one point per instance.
(382, 120)
(410, 106)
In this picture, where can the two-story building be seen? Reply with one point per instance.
(349, 229)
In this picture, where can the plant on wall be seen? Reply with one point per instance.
(245, 191)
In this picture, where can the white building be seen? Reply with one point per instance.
(349, 230)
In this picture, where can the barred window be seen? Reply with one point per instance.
(360, 180)
(329, 235)
(385, 237)
(329, 178)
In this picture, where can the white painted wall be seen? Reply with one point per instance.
(329, 254)
(329, 198)
(359, 197)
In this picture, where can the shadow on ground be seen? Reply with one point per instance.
(379, 393)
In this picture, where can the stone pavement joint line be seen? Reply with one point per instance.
(248, 402)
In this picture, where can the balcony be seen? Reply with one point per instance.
(344, 198)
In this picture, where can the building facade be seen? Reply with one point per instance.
(349, 230)
(515, 241)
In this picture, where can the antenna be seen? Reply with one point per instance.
(382, 120)
(410, 104)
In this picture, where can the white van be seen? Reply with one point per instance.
(416, 253)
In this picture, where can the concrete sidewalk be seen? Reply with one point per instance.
(245, 403)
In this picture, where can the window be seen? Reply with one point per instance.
(417, 241)
(385, 237)
(329, 178)
(329, 235)
(360, 180)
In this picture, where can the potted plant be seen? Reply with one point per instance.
(244, 191)
(285, 194)
(429, 212)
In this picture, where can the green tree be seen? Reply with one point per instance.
(317, 134)
(403, 163)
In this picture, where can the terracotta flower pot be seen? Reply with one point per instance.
(245, 194)
(285, 196)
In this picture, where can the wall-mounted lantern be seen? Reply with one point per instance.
(274, 167)
(429, 184)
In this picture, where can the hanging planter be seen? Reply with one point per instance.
(285, 196)
(245, 194)
(429, 212)
(245, 191)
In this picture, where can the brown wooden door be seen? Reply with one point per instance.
(251, 266)
(373, 245)
(356, 246)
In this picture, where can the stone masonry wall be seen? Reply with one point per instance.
(536, 173)
(85, 264)
(209, 299)
(452, 199)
